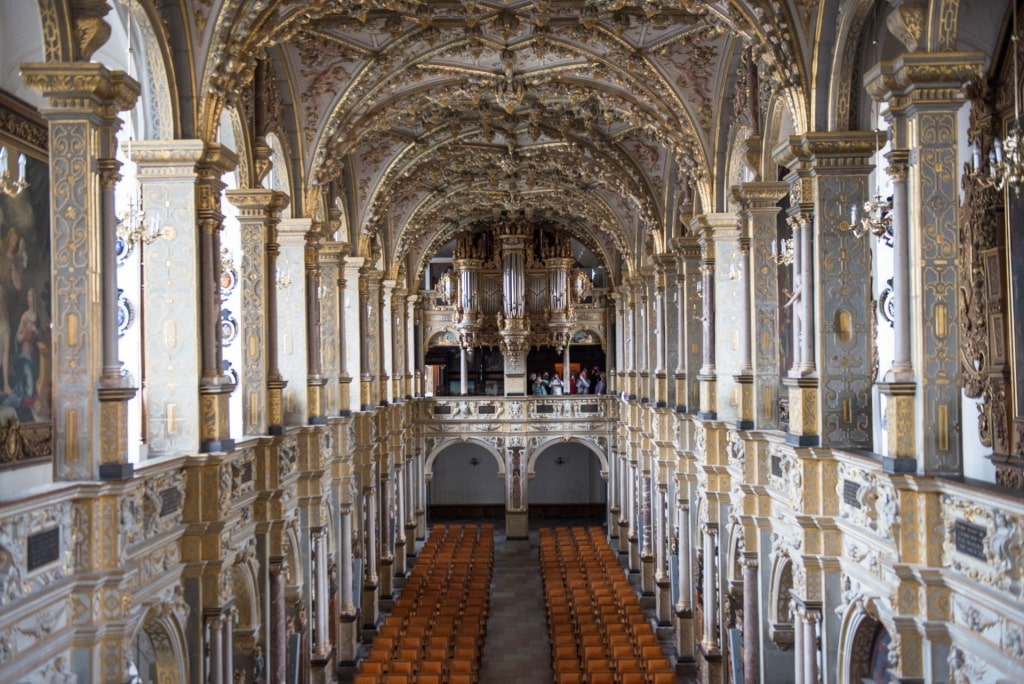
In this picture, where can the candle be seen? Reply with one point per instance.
(854, 215)
(999, 150)
(21, 167)
(3, 159)
(975, 157)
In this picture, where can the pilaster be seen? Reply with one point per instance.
(923, 94)
(82, 118)
(316, 383)
(258, 215)
(291, 319)
(331, 323)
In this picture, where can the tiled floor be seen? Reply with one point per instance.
(516, 650)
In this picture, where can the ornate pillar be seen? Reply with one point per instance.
(643, 334)
(372, 579)
(629, 305)
(924, 100)
(751, 621)
(215, 386)
(323, 642)
(388, 361)
(331, 254)
(648, 529)
(215, 646)
(84, 98)
(710, 580)
(277, 667)
(351, 340)
(662, 580)
(348, 632)
(367, 316)
(798, 643)
(665, 265)
(315, 381)
(400, 568)
(463, 372)
(618, 362)
(811, 618)
(761, 277)
(707, 376)
(745, 377)
(399, 392)
(684, 606)
(258, 215)
(414, 358)
(625, 502)
(691, 314)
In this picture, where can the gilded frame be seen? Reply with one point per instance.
(26, 431)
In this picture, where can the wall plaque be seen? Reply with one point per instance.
(43, 548)
(850, 489)
(776, 465)
(442, 408)
(170, 501)
(969, 539)
(590, 408)
(484, 409)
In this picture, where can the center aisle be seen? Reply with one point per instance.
(516, 649)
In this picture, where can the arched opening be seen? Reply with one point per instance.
(869, 657)
(780, 615)
(568, 482)
(156, 654)
(465, 484)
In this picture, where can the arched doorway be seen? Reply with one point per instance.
(568, 481)
(465, 483)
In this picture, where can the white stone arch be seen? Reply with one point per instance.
(734, 555)
(245, 586)
(857, 632)
(293, 558)
(779, 125)
(158, 648)
(737, 166)
(428, 463)
(780, 592)
(592, 445)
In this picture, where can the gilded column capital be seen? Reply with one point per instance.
(86, 86)
(921, 78)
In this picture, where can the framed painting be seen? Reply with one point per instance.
(25, 295)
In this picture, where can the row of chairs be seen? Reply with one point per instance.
(436, 629)
(599, 633)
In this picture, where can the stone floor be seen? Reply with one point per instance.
(516, 650)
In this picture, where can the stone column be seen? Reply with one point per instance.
(412, 355)
(665, 265)
(630, 313)
(647, 527)
(643, 337)
(293, 283)
(277, 652)
(707, 376)
(258, 215)
(761, 206)
(690, 313)
(685, 628)
(662, 580)
(751, 622)
(711, 643)
(115, 390)
(618, 362)
(387, 552)
(372, 580)
(745, 377)
(383, 328)
(229, 646)
(388, 333)
(367, 309)
(330, 316)
(923, 114)
(612, 519)
(315, 381)
(215, 387)
(323, 642)
(811, 618)
(464, 372)
(348, 632)
(82, 119)
(635, 532)
(351, 337)
(798, 643)
(400, 568)
(215, 631)
(625, 502)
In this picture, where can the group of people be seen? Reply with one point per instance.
(585, 382)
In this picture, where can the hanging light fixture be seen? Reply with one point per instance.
(1006, 160)
(9, 185)
(877, 211)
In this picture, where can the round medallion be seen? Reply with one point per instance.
(122, 248)
(228, 281)
(125, 313)
(228, 327)
(887, 305)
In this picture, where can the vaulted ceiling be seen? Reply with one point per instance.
(605, 116)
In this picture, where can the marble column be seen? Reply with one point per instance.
(84, 100)
(811, 618)
(323, 642)
(388, 331)
(348, 632)
(215, 649)
(277, 666)
(665, 265)
(691, 314)
(798, 643)
(464, 373)
(315, 380)
(761, 206)
(294, 311)
(412, 354)
(751, 622)
(367, 306)
(625, 502)
(229, 646)
(707, 376)
(711, 642)
(745, 376)
(401, 567)
(648, 530)
(258, 215)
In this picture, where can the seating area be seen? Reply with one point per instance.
(599, 633)
(436, 629)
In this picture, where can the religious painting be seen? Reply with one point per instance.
(1015, 249)
(25, 378)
